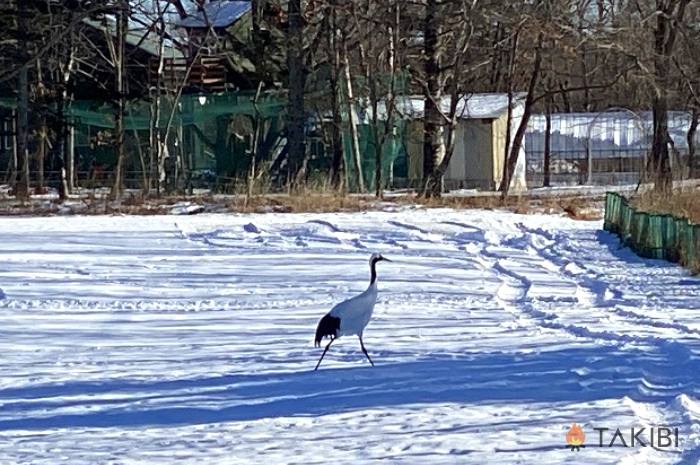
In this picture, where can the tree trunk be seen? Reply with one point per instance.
(547, 145)
(43, 132)
(142, 160)
(669, 14)
(11, 177)
(154, 137)
(515, 148)
(152, 175)
(495, 74)
(584, 80)
(389, 129)
(691, 142)
(378, 146)
(566, 103)
(377, 139)
(433, 140)
(65, 170)
(257, 7)
(354, 120)
(258, 123)
(22, 188)
(659, 152)
(41, 154)
(296, 143)
(338, 160)
(65, 156)
(509, 128)
(451, 119)
(120, 75)
(527, 112)
(70, 151)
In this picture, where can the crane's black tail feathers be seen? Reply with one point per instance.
(328, 326)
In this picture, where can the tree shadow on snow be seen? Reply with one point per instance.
(568, 375)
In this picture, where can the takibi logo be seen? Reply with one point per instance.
(575, 437)
(659, 437)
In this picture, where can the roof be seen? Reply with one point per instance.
(218, 14)
(470, 106)
(135, 37)
(609, 132)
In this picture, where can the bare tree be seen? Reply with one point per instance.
(669, 15)
(351, 104)
(380, 23)
(23, 13)
(296, 155)
(516, 144)
(448, 30)
(433, 139)
(334, 77)
(119, 59)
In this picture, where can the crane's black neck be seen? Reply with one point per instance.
(373, 268)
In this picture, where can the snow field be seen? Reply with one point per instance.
(147, 340)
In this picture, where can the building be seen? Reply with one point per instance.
(480, 146)
(142, 50)
(609, 147)
(221, 32)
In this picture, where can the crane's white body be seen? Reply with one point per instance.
(351, 316)
(356, 312)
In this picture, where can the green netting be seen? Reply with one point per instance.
(690, 253)
(610, 220)
(213, 134)
(392, 149)
(670, 238)
(694, 256)
(639, 231)
(681, 226)
(626, 221)
(185, 110)
(652, 235)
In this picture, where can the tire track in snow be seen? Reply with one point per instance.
(655, 322)
(600, 294)
(595, 291)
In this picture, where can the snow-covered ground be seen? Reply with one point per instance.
(188, 340)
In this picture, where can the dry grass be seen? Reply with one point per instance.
(303, 203)
(314, 198)
(320, 202)
(579, 208)
(681, 203)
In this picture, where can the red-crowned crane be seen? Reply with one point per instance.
(351, 316)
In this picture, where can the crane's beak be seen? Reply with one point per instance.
(386, 259)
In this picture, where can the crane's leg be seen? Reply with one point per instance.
(365, 350)
(324, 354)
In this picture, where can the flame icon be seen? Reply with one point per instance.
(575, 437)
